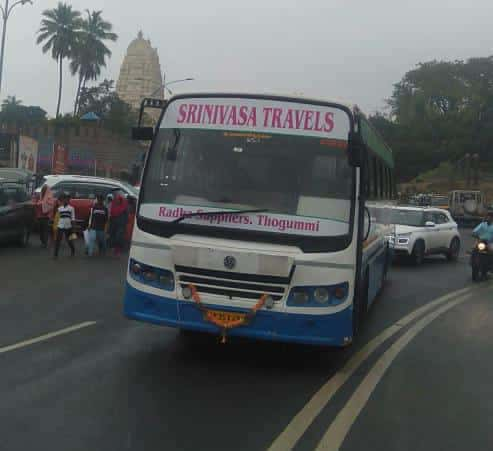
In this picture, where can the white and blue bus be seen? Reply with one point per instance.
(261, 216)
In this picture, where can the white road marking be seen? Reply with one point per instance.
(338, 430)
(45, 337)
(300, 423)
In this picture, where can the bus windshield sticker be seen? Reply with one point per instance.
(262, 222)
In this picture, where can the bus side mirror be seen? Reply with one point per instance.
(355, 150)
(142, 133)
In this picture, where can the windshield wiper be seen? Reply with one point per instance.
(216, 213)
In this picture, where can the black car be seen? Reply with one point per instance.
(16, 213)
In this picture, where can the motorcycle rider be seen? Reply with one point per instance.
(482, 258)
(484, 231)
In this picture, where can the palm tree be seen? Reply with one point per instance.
(11, 102)
(90, 51)
(58, 33)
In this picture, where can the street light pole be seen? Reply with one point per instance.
(165, 85)
(6, 10)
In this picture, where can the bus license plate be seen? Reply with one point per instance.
(226, 317)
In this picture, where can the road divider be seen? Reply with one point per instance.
(304, 418)
(339, 428)
(46, 337)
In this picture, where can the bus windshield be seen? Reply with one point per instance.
(303, 184)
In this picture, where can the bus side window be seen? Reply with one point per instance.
(373, 177)
(393, 193)
(376, 179)
(381, 184)
(383, 170)
(388, 192)
(368, 177)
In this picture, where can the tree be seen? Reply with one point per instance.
(58, 34)
(14, 112)
(11, 103)
(90, 51)
(116, 115)
(440, 111)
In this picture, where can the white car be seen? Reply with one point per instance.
(92, 185)
(424, 231)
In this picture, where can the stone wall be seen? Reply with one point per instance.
(92, 149)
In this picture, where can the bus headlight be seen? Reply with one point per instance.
(135, 268)
(299, 296)
(167, 279)
(321, 295)
(152, 276)
(324, 296)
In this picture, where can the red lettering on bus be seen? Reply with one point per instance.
(276, 118)
(191, 114)
(308, 120)
(329, 122)
(267, 112)
(182, 113)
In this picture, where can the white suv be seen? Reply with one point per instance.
(424, 231)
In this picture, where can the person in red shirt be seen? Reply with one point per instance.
(118, 223)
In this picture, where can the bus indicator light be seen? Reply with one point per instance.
(340, 293)
(187, 292)
(269, 302)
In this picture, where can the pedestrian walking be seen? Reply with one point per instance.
(118, 223)
(47, 210)
(98, 220)
(66, 218)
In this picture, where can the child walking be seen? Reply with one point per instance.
(97, 226)
(66, 214)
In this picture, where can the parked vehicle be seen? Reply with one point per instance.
(467, 207)
(439, 201)
(83, 191)
(19, 176)
(424, 231)
(16, 213)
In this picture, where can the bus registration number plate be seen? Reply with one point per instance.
(226, 317)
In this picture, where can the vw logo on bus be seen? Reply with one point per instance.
(230, 262)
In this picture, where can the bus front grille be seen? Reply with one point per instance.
(232, 286)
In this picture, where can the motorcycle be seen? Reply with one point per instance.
(481, 260)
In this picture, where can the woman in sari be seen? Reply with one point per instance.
(118, 223)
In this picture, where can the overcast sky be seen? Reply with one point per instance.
(341, 49)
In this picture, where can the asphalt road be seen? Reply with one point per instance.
(112, 384)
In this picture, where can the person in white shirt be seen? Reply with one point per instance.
(66, 215)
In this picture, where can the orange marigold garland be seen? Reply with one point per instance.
(226, 325)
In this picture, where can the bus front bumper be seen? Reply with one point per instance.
(327, 330)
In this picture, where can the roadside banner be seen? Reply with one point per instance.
(27, 154)
(59, 159)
